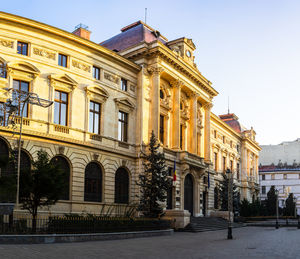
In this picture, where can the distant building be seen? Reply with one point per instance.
(280, 166)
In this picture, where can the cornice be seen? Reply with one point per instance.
(69, 36)
(159, 49)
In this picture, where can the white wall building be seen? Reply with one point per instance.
(280, 166)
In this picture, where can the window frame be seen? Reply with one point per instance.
(95, 68)
(124, 84)
(94, 112)
(123, 126)
(60, 63)
(19, 103)
(22, 43)
(60, 103)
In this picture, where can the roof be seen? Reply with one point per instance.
(231, 120)
(133, 34)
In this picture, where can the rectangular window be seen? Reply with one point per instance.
(94, 117)
(61, 108)
(123, 126)
(96, 72)
(216, 161)
(263, 177)
(223, 139)
(62, 60)
(273, 176)
(238, 171)
(215, 134)
(224, 164)
(123, 84)
(161, 128)
(180, 137)
(263, 189)
(231, 143)
(285, 176)
(22, 48)
(23, 88)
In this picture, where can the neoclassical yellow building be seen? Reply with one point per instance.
(107, 99)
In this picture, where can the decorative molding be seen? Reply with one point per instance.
(125, 103)
(80, 65)
(44, 53)
(63, 82)
(112, 78)
(7, 43)
(155, 70)
(177, 83)
(97, 92)
(22, 70)
(132, 88)
(208, 106)
(61, 150)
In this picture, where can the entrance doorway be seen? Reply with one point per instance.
(189, 194)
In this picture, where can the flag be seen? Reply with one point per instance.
(174, 172)
(208, 182)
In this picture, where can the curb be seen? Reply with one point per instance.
(67, 238)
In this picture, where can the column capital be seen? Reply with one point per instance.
(177, 83)
(155, 70)
(193, 95)
(208, 106)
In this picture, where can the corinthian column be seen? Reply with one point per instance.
(207, 108)
(155, 101)
(193, 123)
(176, 114)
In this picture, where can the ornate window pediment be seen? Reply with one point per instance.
(97, 93)
(22, 70)
(125, 104)
(63, 82)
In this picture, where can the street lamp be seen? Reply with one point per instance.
(229, 175)
(15, 105)
(276, 193)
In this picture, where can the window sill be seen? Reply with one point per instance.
(123, 144)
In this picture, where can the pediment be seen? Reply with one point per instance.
(97, 90)
(63, 78)
(23, 66)
(125, 102)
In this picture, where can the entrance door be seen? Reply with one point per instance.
(189, 194)
(204, 204)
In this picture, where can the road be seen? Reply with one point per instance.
(248, 242)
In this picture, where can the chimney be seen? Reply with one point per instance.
(82, 31)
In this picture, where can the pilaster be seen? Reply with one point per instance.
(207, 108)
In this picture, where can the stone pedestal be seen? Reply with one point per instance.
(179, 218)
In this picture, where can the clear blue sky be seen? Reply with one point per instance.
(249, 49)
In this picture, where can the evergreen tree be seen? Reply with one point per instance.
(271, 201)
(224, 195)
(289, 209)
(42, 186)
(154, 181)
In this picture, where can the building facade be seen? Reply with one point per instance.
(280, 167)
(108, 98)
(235, 148)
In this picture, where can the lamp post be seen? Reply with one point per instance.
(229, 175)
(276, 193)
(15, 104)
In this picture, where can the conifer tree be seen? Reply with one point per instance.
(154, 181)
(271, 201)
(224, 195)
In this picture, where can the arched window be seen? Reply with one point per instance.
(93, 183)
(121, 186)
(216, 198)
(65, 167)
(25, 163)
